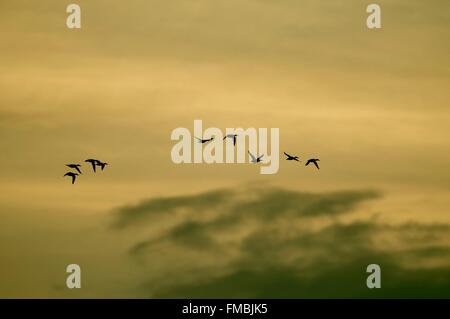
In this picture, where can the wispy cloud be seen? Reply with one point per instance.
(272, 203)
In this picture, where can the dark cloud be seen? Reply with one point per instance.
(344, 281)
(190, 234)
(271, 243)
(134, 214)
(269, 203)
(226, 208)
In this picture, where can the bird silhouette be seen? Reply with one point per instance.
(233, 136)
(291, 158)
(73, 175)
(255, 159)
(314, 161)
(202, 141)
(93, 162)
(75, 166)
(101, 164)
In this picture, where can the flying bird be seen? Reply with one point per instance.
(204, 141)
(75, 166)
(73, 175)
(254, 159)
(93, 162)
(101, 164)
(314, 161)
(291, 158)
(233, 136)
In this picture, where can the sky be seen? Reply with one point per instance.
(371, 104)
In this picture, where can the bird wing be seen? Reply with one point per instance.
(317, 165)
(78, 169)
(93, 165)
(309, 161)
(73, 178)
(251, 155)
(287, 154)
(234, 140)
(260, 157)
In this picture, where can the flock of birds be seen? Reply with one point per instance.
(257, 159)
(254, 159)
(94, 163)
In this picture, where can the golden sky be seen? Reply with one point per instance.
(371, 104)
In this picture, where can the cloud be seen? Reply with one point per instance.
(205, 215)
(130, 215)
(266, 242)
(344, 281)
(272, 203)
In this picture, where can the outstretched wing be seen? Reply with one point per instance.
(317, 165)
(253, 158)
(199, 139)
(78, 169)
(259, 158)
(234, 140)
(73, 178)
(287, 154)
(307, 163)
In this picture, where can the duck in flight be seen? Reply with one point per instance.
(101, 164)
(314, 161)
(255, 159)
(75, 166)
(204, 141)
(233, 136)
(93, 162)
(73, 175)
(291, 158)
